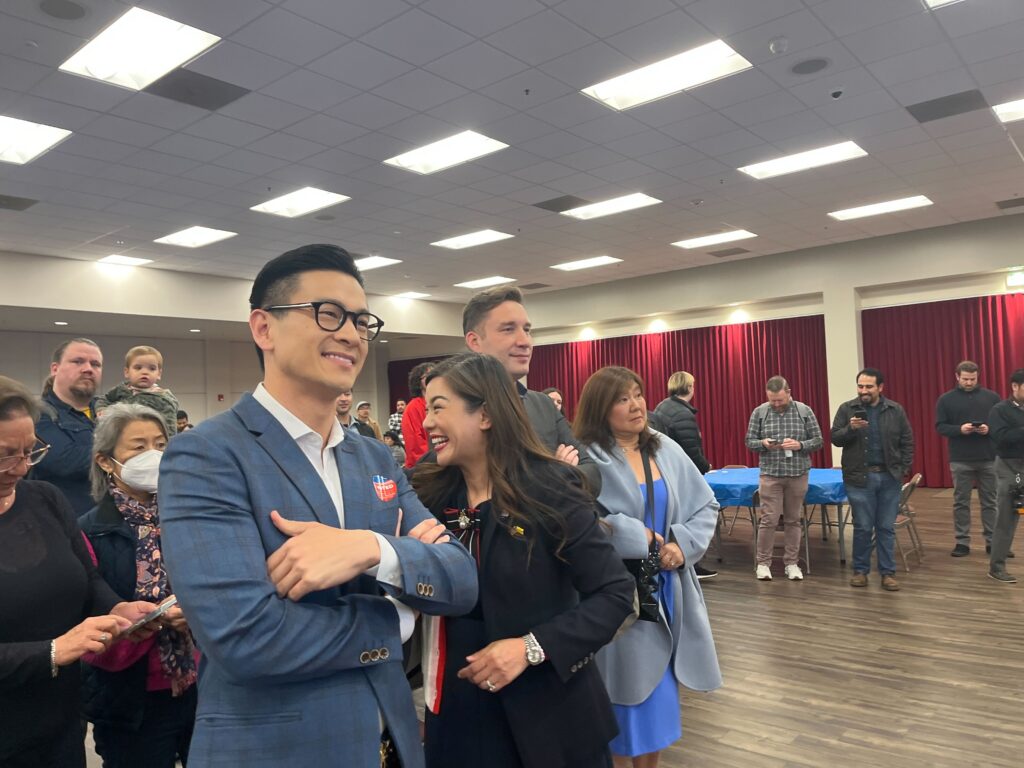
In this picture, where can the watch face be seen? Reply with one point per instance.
(533, 656)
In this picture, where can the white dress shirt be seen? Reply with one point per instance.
(389, 570)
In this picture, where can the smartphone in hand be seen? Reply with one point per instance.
(153, 615)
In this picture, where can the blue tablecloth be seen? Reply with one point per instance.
(735, 487)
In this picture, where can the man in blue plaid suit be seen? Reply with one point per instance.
(297, 550)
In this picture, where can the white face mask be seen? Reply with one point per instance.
(141, 472)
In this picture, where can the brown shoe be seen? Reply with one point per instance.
(859, 580)
(889, 583)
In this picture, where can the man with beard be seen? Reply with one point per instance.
(71, 394)
(878, 447)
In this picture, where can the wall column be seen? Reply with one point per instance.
(844, 351)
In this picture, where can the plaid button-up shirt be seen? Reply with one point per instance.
(796, 421)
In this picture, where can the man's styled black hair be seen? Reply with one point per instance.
(874, 373)
(279, 276)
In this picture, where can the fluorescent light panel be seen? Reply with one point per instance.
(801, 161)
(22, 141)
(1015, 280)
(1010, 111)
(410, 295)
(472, 238)
(939, 3)
(889, 206)
(138, 49)
(375, 262)
(445, 153)
(596, 261)
(695, 67)
(721, 237)
(485, 282)
(615, 205)
(195, 237)
(300, 202)
(124, 261)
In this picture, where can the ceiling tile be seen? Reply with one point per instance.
(966, 18)
(264, 110)
(51, 113)
(220, 18)
(846, 18)
(540, 38)
(732, 90)
(471, 111)
(369, 111)
(310, 90)
(240, 66)
(700, 127)
(991, 43)
(125, 131)
(607, 17)
(727, 17)
(21, 75)
(160, 162)
(801, 30)
(288, 37)
(100, 149)
(420, 129)
(476, 66)
(481, 17)
(850, 108)
(339, 161)
(155, 110)
(360, 66)
(286, 147)
(915, 64)
(417, 38)
(226, 130)
(249, 162)
(820, 91)
(590, 64)
(325, 130)
(723, 144)
(51, 48)
(1002, 70)
(569, 110)
(933, 86)
(608, 128)
(895, 38)
(419, 90)
(351, 19)
(661, 37)
(192, 147)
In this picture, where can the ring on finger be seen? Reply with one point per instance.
(104, 637)
(490, 686)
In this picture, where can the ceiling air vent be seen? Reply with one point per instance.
(727, 252)
(534, 286)
(11, 203)
(564, 203)
(196, 90)
(947, 106)
(1013, 202)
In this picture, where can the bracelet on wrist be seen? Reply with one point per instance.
(53, 658)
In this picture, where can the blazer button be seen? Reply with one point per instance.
(430, 590)
(385, 654)
(574, 668)
(375, 655)
(364, 657)
(419, 588)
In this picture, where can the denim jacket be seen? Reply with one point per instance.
(69, 435)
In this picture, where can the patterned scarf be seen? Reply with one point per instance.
(176, 649)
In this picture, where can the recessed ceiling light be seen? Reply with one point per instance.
(375, 262)
(596, 261)
(485, 282)
(300, 202)
(1013, 280)
(663, 78)
(194, 330)
(62, 322)
(587, 333)
(889, 206)
(801, 161)
(445, 153)
(1010, 111)
(22, 141)
(195, 237)
(410, 295)
(137, 49)
(124, 261)
(721, 237)
(615, 205)
(472, 238)
(939, 3)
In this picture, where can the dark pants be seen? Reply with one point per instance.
(165, 733)
(874, 514)
(66, 750)
(1007, 472)
(965, 475)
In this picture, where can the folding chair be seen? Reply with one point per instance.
(905, 521)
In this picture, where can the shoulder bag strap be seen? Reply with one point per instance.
(648, 479)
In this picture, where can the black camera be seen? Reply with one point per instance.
(1017, 499)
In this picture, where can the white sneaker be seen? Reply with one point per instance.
(763, 573)
(793, 573)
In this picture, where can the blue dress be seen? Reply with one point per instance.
(653, 724)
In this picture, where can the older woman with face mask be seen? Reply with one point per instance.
(140, 696)
(54, 606)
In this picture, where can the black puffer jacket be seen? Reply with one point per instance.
(679, 419)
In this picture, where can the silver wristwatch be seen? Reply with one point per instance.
(534, 653)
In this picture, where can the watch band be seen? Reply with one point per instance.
(534, 652)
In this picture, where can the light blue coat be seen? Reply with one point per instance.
(633, 665)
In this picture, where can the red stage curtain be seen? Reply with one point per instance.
(398, 381)
(917, 348)
(731, 363)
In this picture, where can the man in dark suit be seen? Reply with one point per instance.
(296, 547)
(495, 323)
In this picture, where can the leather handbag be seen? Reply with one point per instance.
(647, 571)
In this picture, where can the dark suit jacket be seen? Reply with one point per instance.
(553, 430)
(573, 603)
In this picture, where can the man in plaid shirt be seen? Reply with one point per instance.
(395, 419)
(784, 432)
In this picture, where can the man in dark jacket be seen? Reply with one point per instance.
(960, 416)
(680, 418)
(495, 323)
(1006, 426)
(71, 394)
(878, 448)
(677, 418)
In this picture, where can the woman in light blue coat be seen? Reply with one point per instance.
(643, 667)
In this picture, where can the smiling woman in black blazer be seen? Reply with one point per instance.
(512, 683)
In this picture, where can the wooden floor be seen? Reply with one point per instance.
(820, 674)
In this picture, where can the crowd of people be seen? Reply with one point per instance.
(245, 592)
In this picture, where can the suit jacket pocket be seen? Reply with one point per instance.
(214, 720)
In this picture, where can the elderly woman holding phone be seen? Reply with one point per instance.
(140, 696)
(54, 606)
(657, 505)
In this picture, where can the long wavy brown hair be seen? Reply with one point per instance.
(519, 466)
(599, 394)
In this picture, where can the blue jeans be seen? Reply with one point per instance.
(874, 514)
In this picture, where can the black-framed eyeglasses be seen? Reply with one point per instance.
(330, 316)
(33, 457)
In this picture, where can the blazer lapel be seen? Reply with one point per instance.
(280, 446)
